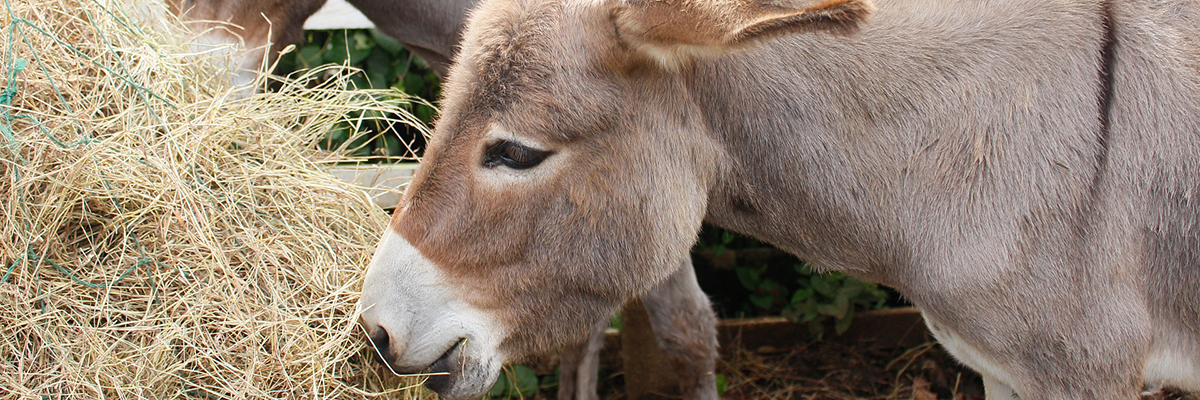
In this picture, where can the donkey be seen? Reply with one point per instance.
(253, 27)
(429, 28)
(680, 313)
(1024, 171)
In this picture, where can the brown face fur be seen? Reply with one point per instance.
(557, 247)
(568, 242)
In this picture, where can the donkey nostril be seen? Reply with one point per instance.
(380, 340)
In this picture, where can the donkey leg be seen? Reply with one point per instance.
(580, 366)
(686, 328)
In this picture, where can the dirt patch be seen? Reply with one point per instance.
(833, 370)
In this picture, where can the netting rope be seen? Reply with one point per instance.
(16, 65)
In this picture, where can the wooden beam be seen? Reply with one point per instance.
(892, 328)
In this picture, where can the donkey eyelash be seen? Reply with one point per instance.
(513, 155)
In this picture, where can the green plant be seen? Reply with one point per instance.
(517, 382)
(765, 293)
(766, 286)
(720, 243)
(384, 64)
(719, 240)
(722, 384)
(831, 295)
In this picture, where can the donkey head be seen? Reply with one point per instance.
(253, 27)
(568, 174)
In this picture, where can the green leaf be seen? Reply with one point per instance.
(339, 49)
(359, 144)
(827, 310)
(791, 313)
(841, 306)
(763, 301)
(549, 382)
(431, 79)
(801, 296)
(842, 324)
(388, 144)
(376, 79)
(809, 315)
(420, 63)
(823, 285)
(802, 269)
(500, 389)
(399, 69)
(309, 56)
(718, 249)
(361, 40)
(413, 83)
(386, 42)
(425, 113)
(527, 381)
(357, 81)
(358, 55)
(767, 285)
(838, 309)
(851, 289)
(348, 48)
(335, 137)
(722, 384)
(749, 277)
(378, 65)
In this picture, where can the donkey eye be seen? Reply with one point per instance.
(513, 155)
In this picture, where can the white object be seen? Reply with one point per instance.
(384, 183)
(338, 14)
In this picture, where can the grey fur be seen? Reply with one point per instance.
(1024, 171)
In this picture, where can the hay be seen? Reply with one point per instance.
(161, 237)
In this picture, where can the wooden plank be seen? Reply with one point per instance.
(892, 328)
(338, 14)
(384, 183)
(896, 328)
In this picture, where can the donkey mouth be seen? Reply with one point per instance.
(444, 380)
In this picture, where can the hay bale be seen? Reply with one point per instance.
(161, 238)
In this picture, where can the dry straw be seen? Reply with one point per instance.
(161, 238)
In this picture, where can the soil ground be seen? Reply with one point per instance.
(830, 370)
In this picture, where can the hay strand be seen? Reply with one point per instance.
(162, 236)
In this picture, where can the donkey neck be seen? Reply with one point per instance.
(430, 28)
(895, 145)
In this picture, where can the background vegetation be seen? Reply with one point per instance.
(369, 134)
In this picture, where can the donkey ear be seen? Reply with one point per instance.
(679, 27)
